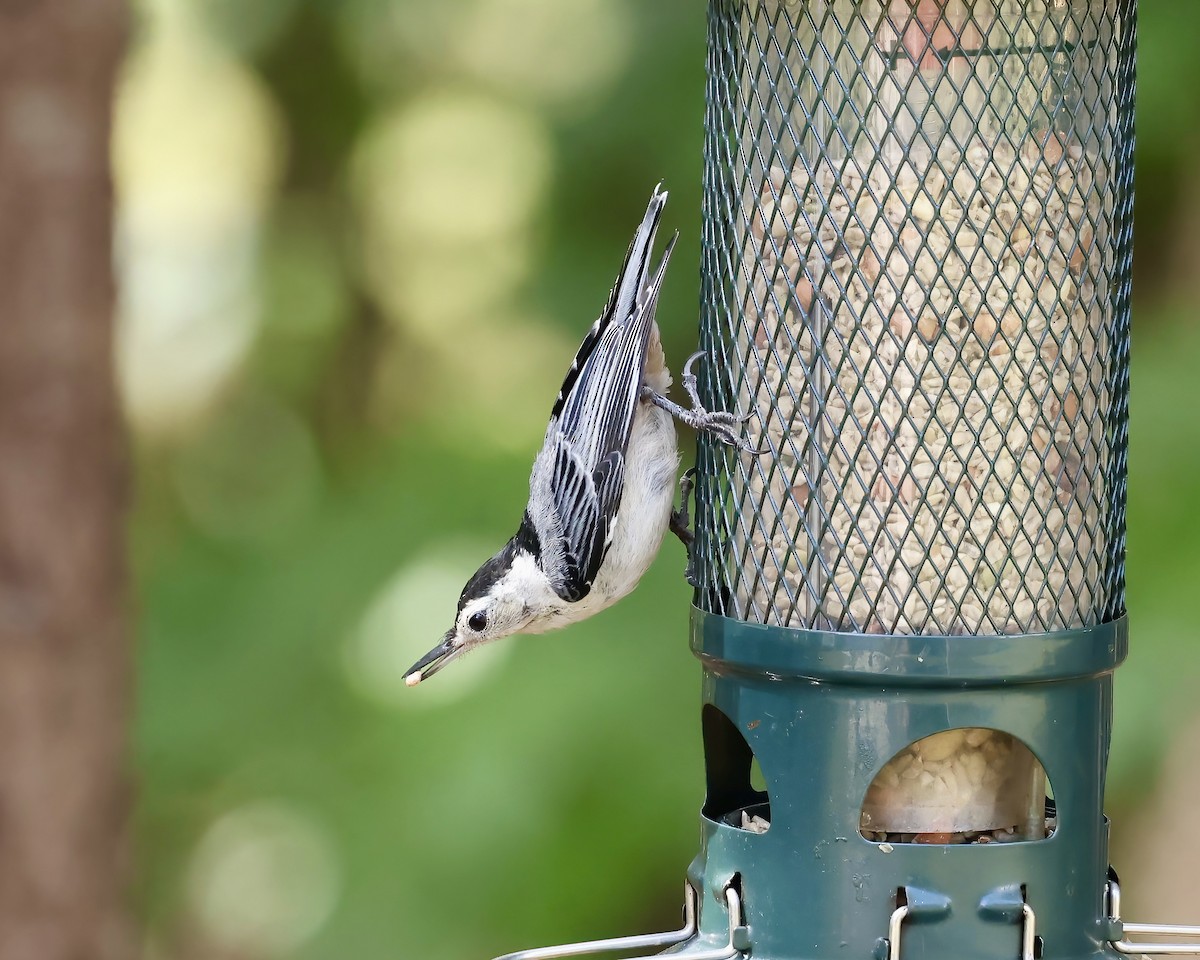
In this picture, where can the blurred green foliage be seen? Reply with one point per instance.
(338, 350)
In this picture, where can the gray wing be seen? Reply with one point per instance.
(580, 498)
(590, 424)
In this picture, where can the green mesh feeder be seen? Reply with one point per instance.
(916, 274)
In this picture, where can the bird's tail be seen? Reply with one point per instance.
(628, 316)
(631, 286)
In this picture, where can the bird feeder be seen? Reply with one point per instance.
(916, 277)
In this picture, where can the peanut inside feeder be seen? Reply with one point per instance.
(956, 785)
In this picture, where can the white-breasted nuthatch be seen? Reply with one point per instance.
(602, 488)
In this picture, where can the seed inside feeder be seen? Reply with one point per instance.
(955, 378)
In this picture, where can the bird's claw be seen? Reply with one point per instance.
(726, 436)
(687, 367)
(723, 425)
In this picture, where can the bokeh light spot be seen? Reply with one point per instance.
(455, 166)
(553, 53)
(406, 618)
(263, 879)
(447, 187)
(196, 157)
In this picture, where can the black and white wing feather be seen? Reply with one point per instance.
(579, 475)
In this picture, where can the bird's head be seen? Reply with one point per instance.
(499, 600)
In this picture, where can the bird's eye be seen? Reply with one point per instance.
(477, 621)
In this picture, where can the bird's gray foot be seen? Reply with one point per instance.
(681, 524)
(681, 521)
(722, 425)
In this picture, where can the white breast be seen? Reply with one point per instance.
(645, 513)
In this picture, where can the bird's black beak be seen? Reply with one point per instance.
(434, 660)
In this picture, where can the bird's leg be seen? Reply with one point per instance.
(722, 425)
(681, 524)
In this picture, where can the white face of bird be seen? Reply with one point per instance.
(508, 605)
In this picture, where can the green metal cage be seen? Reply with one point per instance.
(917, 248)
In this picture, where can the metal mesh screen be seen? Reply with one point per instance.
(917, 243)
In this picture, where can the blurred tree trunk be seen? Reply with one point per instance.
(64, 657)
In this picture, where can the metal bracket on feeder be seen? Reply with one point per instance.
(727, 951)
(1123, 929)
(1008, 904)
(919, 905)
(613, 944)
